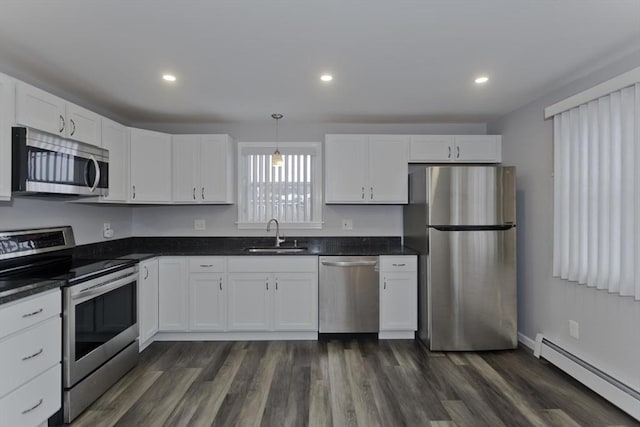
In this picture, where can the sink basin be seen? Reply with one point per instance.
(273, 250)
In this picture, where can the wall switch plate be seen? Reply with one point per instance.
(107, 231)
(347, 224)
(574, 329)
(199, 224)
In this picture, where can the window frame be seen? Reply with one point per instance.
(313, 148)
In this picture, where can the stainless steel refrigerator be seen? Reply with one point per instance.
(462, 220)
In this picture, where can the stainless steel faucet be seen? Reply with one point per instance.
(278, 238)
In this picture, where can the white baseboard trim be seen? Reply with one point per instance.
(396, 335)
(526, 341)
(236, 336)
(612, 389)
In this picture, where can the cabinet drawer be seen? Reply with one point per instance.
(273, 264)
(207, 264)
(34, 402)
(398, 263)
(27, 354)
(26, 312)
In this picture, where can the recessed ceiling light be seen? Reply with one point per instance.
(482, 79)
(169, 77)
(326, 77)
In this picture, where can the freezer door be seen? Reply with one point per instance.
(471, 290)
(471, 195)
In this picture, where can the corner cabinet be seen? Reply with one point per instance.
(150, 166)
(398, 296)
(366, 169)
(455, 149)
(7, 116)
(202, 169)
(148, 301)
(41, 110)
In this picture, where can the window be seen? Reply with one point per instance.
(291, 193)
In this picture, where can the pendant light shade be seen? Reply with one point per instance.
(276, 158)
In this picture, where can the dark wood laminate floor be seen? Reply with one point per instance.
(344, 383)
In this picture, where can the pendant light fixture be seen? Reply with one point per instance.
(276, 157)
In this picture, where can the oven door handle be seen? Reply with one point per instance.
(83, 296)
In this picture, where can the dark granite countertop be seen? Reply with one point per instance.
(12, 290)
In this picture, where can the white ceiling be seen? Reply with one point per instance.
(394, 61)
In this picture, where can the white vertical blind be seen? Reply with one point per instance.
(597, 193)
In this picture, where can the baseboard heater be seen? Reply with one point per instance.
(616, 392)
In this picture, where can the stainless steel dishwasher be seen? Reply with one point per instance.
(349, 294)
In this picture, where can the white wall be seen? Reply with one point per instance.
(87, 220)
(220, 220)
(609, 324)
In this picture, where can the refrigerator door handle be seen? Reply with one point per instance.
(497, 227)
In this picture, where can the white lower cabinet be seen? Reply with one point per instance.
(172, 297)
(296, 302)
(398, 296)
(250, 305)
(207, 294)
(30, 355)
(148, 300)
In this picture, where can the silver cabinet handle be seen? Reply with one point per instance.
(349, 263)
(385, 284)
(96, 181)
(457, 152)
(399, 265)
(362, 193)
(73, 127)
(276, 283)
(267, 283)
(202, 193)
(206, 265)
(371, 193)
(147, 273)
(134, 192)
(449, 155)
(37, 353)
(26, 411)
(194, 193)
(33, 313)
(62, 123)
(220, 283)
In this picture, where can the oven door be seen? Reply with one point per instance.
(99, 320)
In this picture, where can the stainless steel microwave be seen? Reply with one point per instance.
(47, 164)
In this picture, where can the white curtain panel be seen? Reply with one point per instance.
(597, 193)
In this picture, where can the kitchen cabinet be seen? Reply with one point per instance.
(115, 138)
(173, 297)
(455, 149)
(273, 293)
(41, 110)
(202, 169)
(150, 166)
(398, 296)
(366, 169)
(207, 294)
(148, 300)
(7, 116)
(30, 356)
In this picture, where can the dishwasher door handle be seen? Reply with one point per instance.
(349, 263)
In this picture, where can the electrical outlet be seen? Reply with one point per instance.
(574, 329)
(106, 226)
(107, 232)
(199, 224)
(347, 224)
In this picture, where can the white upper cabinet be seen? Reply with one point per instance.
(150, 166)
(41, 110)
(455, 148)
(366, 169)
(115, 138)
(202, 169)
(7, 116)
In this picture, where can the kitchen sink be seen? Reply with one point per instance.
(274, 250)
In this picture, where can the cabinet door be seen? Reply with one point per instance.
(172, 297)
(206, 302)
(346, 168)
(478, 148)
(249, 306)
(83, 125)
(398, 301)
(216, 181)
(296, 301)
(388, 169)
(115, 138)
(41, 110)
(7, 116)
(148, 299)
(431, 148)
(150, 164)
(186, 168)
